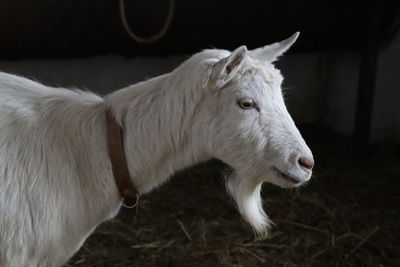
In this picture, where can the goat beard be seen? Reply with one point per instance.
(247, 195)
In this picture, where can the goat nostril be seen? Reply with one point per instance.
(307, 163)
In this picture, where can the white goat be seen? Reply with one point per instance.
(56, 181)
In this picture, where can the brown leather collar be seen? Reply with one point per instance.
(122, 178)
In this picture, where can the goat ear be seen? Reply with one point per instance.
(270, 53)
(225, 69)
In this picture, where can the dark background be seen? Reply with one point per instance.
(343, 80)
(50, 29)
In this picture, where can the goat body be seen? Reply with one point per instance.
(56, 180)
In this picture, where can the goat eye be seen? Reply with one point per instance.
(246, 103)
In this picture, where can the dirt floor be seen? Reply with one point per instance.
(347, 215)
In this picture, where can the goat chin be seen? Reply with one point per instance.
(247, 195)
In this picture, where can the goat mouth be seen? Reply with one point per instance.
(286, 177)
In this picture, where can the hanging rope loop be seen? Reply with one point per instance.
(154, 37)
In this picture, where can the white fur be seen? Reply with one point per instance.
(56, 183)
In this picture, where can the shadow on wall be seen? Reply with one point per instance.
(102, 74)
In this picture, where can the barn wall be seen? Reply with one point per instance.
(320, 87)
(342, 88)
(386, 118)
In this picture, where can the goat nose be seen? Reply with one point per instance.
(307, 163)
